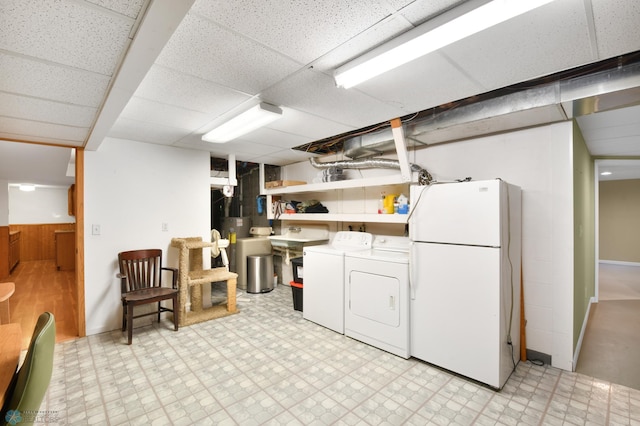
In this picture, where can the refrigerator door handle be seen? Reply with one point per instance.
(412, 269)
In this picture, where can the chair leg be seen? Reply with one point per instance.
(129, 324)
(124, 316)
(159, 312)
(176, 310)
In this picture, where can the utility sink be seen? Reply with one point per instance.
(295, 237)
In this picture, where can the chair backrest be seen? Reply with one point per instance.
(142, 269)
(32, 379)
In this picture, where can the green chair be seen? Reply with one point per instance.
(30, 383)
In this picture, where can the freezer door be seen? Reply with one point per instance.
(455, 309)
(457, 213)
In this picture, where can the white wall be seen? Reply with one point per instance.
(131, 189)
(539, 160)
(4, 202)
(44, 205)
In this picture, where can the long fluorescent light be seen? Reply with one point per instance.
(423, 40)
(250, 120)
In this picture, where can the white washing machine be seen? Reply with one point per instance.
(323, 283)
(377, 295)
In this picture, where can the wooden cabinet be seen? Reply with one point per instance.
(65, 250)
(9, 251)
(14, 249)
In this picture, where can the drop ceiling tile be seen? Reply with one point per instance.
(170, 86)
(302, 30)
(35, 109)
(422, 10)
(198, 45)
(609, 120)
(363, 42)
(315, 93)
(62, 84)
(623, 146)
(23, 129)
(64, 32)
(429, 81)
(153, 112)
(280, 158)
(276, 139)
(125, 128)
(130, 8)
(551, 38)
(615, 22)
(308, 125)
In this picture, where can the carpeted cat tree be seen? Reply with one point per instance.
(192, 276)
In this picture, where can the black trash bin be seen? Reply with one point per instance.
(297, 266)
(296, 291)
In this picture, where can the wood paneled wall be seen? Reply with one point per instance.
(37, 242)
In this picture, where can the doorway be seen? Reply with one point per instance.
(611, 343)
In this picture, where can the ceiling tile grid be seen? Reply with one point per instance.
(35, 109)
(420, 11)
(384, 31)
(430, 81)
(186, 91)
(57, 83)
(130, 8)
(82, 37)
(316, 93)
(163, 114)
(551, 38)
(302, 30)
(36, 131)
(144, 131)
(203, 49)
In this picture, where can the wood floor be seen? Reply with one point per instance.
(41, 287)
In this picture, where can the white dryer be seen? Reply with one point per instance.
(377, 295)
(323, 284)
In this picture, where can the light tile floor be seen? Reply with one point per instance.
(267, 365)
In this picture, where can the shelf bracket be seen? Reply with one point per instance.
(401, 149)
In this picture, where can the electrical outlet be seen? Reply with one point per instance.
(165, 227)
(95, 229)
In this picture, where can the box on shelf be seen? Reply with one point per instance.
(283, 183)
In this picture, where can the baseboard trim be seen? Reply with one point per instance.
(619, 262)
(583, 329)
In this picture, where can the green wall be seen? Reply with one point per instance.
(583, 232)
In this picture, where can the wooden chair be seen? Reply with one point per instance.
(141, 279)
(30, 382)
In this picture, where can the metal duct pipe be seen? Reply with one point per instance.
(369, 163)
(424, 177)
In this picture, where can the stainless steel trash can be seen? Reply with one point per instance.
(259, 273)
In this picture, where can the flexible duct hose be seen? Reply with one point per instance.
(424, 177)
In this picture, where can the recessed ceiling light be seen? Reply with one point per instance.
(605, 173)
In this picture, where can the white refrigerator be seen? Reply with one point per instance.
(465, 278)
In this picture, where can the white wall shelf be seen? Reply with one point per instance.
(341, 184)
(346, 217)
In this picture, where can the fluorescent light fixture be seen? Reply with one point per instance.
(423, 40)
(27, 187)
(605, 173)
(250, 120)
